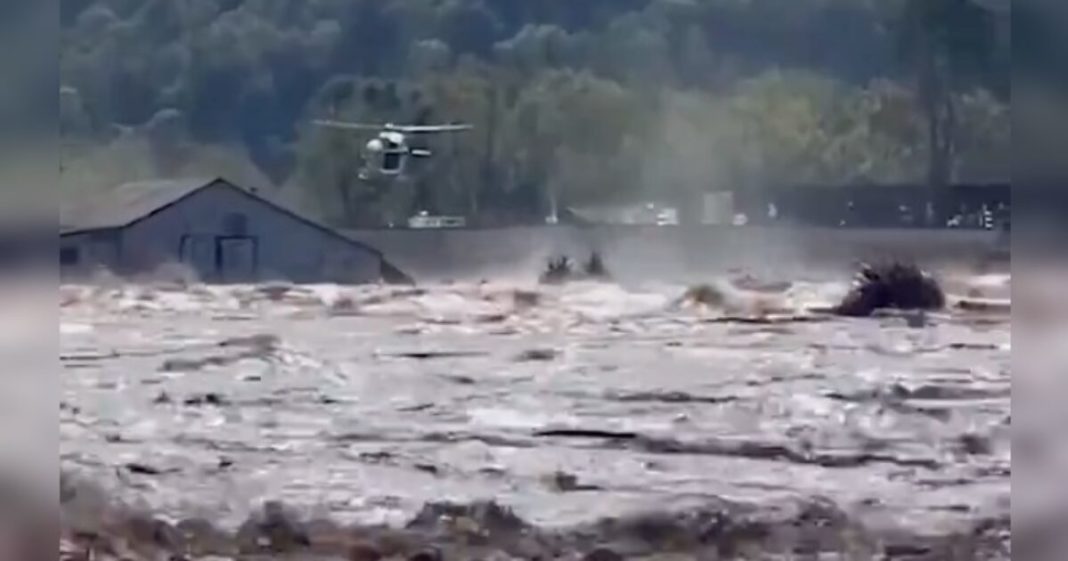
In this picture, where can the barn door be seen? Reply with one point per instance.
(236, 258)
(198, 254)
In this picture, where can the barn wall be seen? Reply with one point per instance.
(288, 249)
(94, 250)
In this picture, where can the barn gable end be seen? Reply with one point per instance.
(215, 229)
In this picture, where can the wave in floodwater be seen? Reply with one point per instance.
(517, 419)
(740, 295)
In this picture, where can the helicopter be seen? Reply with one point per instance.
(386, 155)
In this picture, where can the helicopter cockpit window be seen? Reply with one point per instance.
(391, 161)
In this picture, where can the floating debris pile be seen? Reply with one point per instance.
(595, 267)
(561, 269)
(446, 531)
(894, 286)
(558, 270)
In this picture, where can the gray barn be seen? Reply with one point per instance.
(221, 232)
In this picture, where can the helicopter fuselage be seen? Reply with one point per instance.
(387, 154)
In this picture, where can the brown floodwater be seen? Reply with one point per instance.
(568, 406)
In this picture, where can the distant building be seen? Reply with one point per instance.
(718, 208)
(425, 220)
(647, 214)
(220, 232)
(879, 206)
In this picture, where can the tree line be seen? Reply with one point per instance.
(574, 103)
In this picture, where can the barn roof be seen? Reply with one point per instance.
(126, 204)
(129, 203)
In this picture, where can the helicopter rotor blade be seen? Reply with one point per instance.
(431, 129)
(348, 126)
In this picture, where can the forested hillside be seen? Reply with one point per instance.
(577, 101)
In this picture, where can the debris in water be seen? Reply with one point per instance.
(558, 270)
(263, 342)
(586, 433)
(209, 398)
(491, 318)
(427, 468)
(975, 444)
(363, 551)
(705, 294)
(602, 554)
(986, 306)
(493, 518)
(189, 365)
(563, 482)
(891, 286)
(274, 530)
(260, 346)
(430, 355)
(595, 267)
(536, 355)
(766, 320)
(427, 555)
(89, 357)
(486, 530)
(142, 469)
(526, 298)
(275, 292)
(669, 397)
(344, 306)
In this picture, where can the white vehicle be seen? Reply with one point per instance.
(424, 220)
(667, 217)
(653, 215)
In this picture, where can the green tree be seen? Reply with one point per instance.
(573, 100)
(950, 46)
(573, 123)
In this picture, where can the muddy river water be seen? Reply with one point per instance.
(568, 405)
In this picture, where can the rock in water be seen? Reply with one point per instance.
(891, 286)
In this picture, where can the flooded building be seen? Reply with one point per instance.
(212, 228)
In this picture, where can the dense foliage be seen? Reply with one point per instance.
(574, 101)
